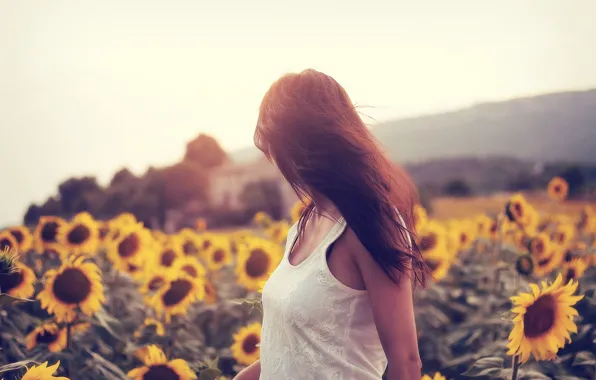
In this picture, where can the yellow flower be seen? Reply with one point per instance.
(245, 348)
(23, 237)
(134, 245)
(432, 239)
(190, 242)
(157, 366)
(151, 322)
(262, 219)
(153, 280)
(46, 232)
(278, 231)
(169, 252)
(76, 284)
(587, 221)
(189, 265)
(543, 321)
(43, 372)
(8, 241)
(19, 282)
(177, 295)
(81, 235)
(437, 376)
(548, 262)
(525, 265)
(439, 264)
(558, 189)
(218, 255)
(574, 270)
(540, 245)
(201, 224)
(563, 234)
(49, 334)
(255, 262)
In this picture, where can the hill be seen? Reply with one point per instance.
(558, 127)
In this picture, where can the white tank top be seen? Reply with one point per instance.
(314, 326)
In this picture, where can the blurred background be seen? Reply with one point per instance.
(103, 103)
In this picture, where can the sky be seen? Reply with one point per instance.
(89, 87)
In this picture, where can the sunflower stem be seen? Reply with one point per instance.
(69, 347)
(515, 367)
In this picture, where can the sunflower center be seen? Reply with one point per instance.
(518, 209)
(540, 316)
(78, 235)
(249, 345)
(132, 268)
(160, 372)
(525, 265)
(155, 283)
(206, 244)
(189, 248)
(129, 245)
(190, 270)
(178, 290)
(428, 242)
(10, 281)
(46, 337)
(538, 246)
(18, 235)
(557, 188)
(463, 238)
(167, 258)
(71, 286)
(257, 264)
(218, 256)
(5, 243)
(48, 232)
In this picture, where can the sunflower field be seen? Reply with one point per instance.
(513, 296)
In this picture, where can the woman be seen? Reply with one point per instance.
(339, 305)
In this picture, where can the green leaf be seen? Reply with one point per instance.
(7, 300)
(17, 365)
(102, 317)
(534, 375)
(111, 367)
(584, 358)
(490, 366)
(209, 374)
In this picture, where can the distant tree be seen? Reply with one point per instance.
(521, 182)
(205, 151)
(75, 194)
(183, 182)
(122, 176)
(457, 188)
(52, 206)
(263, 196)
(32, 215)
(576, 179)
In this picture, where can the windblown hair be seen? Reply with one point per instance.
(310, 129)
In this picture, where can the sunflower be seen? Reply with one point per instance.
(278, 231)
(539, 245)
(525, 265)
(432, 238)
(438, 264)
(558, 189)
(190, 242)
(43, 372)
(169, 252)
(574, 251)
(177, 295)
(218, 255)
(157, 367)
(23, 237)
(19, 282)
(154, 280)
(81, 235)
(191, 266)
(563, 234)
(544, 320)
(8, 241)
(76, 284)
(437, 376)
(587, 220)
(245, 348)
(49, 334)
(206, 240)
(210, 293)
(151, 323)
(46, 232)
(548, 262)
(8, 261)
(255, 262)
(515, 209)
(262, 219)
(132, 247)
(574, 270)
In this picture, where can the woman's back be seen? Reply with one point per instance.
(314, 326)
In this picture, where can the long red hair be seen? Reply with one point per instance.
(310, 129)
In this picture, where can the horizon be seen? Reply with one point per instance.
(92, 88)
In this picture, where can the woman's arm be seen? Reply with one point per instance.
(393, 311)
(252, 372)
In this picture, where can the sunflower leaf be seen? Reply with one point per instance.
(17, 365)
(584, 358)
(8, 300)
(107, 365)
(209, 374)
(490, 366)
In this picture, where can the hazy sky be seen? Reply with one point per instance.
(87, 87)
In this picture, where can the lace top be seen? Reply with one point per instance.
(314, 326)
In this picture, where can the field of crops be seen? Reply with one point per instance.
(512, 295)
